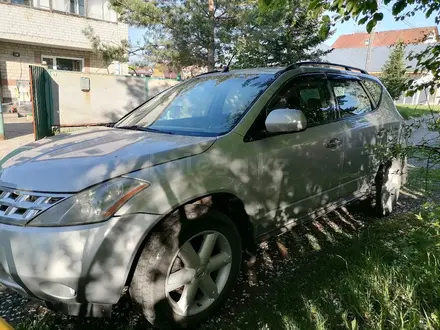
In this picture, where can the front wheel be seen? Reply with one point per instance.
(184, 275)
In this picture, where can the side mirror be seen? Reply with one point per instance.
(285, 120)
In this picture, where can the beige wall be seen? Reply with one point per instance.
(36, 26)
(14, 71)
(109, 98)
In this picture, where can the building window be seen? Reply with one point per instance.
(98, 9)
(63, 63)
(42, 4)
(77, 7)
(69, 6)
(17, 2)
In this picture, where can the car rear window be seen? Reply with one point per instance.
(351, 97)
(375, 90)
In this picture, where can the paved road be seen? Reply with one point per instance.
(422, 135)
(18, 131)
(8, 145)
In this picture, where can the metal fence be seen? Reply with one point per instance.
(41, 101)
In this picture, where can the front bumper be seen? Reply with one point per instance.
(78, 269)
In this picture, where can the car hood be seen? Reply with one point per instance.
(74, 161)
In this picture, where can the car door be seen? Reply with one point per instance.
(299, 172)
(363, 127)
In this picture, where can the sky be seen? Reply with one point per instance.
(388, 23)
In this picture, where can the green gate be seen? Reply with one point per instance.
(41, 101)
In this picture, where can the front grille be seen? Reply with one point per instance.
(19, 207)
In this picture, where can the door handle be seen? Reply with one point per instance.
(333, 144)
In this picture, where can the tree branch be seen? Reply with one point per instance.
(430, 148)
(219, 16)
(206, 13)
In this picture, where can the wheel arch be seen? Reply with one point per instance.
(223, 202)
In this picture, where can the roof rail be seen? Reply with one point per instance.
(202, 74)
(299, 64)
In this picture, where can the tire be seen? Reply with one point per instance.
(388, 181)
(166, 249)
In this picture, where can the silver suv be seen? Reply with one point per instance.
(168, 200)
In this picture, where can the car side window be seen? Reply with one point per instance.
(375, 90)
(350, 96)
(311, 95)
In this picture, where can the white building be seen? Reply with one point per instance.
(50, 32)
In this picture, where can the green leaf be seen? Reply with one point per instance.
(371, 5)
(429, 12)
(363, 20)
(378, 16)
(324, 29)
(265, 3)
(315, 4)
(371, 24)
(325, 19)
(398, 7)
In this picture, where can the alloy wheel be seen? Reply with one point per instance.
(198, 273)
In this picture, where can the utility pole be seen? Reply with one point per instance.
(370, 42)
(211, 47)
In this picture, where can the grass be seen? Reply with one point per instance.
(409, 110)
(348, 271)
(386, 278)
(424, 181)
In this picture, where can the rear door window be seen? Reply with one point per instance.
(351, 97)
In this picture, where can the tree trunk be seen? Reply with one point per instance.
(211, 46)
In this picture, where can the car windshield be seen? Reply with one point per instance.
(206, 106)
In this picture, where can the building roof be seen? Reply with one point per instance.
(386, 38)
(357, 56)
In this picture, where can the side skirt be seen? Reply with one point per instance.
(310, 217)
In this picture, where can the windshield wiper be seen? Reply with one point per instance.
(132, 127)
(144, 129)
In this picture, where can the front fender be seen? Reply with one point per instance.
(179, 182)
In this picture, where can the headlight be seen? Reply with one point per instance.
(95, 204)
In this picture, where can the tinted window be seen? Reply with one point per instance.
(351, 97)
(311, 95)
(375, 90)
(208, 105)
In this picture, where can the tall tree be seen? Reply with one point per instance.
(184, 32)
(279, 36)
(107, 52)
(210, 32)
(394, 72)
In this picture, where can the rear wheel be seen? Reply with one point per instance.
(184, 275)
